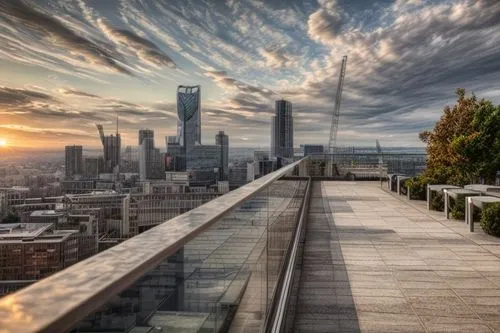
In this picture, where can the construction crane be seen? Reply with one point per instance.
(336, 111)
(101, 132)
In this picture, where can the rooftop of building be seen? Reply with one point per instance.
(44, 213)
(33, 232)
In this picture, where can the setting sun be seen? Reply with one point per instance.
(3, 143)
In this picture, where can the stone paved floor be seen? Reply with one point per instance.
(375, 262)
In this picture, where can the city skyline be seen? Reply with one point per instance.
(71, 64)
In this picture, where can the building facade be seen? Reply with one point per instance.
(189, 113)
(222, 140)
(150, 161)
(282, 130)
(34, 251)
(313, 149)
(73, 161)
(93, 166)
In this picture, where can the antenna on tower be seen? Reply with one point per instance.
(116, 123)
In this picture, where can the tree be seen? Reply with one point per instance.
(11, 218)
(464, 145)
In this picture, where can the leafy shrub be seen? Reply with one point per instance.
(458, 208)
(417, 186)
(490, 219)
(437, 202)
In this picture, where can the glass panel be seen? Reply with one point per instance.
(222, 280)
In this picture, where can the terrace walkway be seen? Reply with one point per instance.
(375, 262)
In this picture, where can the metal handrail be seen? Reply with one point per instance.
(57, 303)
(276, 323)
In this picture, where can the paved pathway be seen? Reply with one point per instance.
(375, 262)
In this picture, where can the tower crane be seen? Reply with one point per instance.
(336, 111)
(101, 132)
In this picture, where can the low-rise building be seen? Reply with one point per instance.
(35, 251)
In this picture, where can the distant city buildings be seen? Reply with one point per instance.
(222, 140)
(93, 166)
(313, 149)
(282, 130)
(206, 164)
(35, 251)
(261, 165)
(151, 165)
(112, 150)
(73, 161)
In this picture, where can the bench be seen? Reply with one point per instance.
(480, 202)
(455, 193)
(436, 188)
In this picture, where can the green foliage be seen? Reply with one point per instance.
(417, 186)
(458, 208)
(437, 202)
(11, 218)
(464, 145)
(463, 148)
(490, 219)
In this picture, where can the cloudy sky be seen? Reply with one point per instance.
(68, 64)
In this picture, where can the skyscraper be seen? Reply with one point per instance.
(145, 134)
(112, 149)
(150, 162)
(73, 161)
(189, 113)
(282, 130)
(222, 140)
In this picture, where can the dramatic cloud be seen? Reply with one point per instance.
(13, 98)
(77, 93)
(227, 82)
(324, 24)
(20, 13)
(276, 58)
(144, 49)
(405, 60)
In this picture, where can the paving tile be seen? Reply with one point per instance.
(374, 262)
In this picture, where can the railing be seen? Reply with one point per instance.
(365, 165)
(211, 269)
(281, 319)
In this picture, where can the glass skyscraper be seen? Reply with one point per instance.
(282, 130)
(189, 113)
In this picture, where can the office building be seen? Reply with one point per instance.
(171, 139)
(313, 149)
(112, 150)
(73, 161)
(203, 163)
(189, 113)
(282, 130)
(238, 175)
(146, 134)
(93, 166)
(150, 161)
(260, 155)
(35, 251)
(222, 140)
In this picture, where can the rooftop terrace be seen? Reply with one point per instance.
(286, 253)
(374, 262)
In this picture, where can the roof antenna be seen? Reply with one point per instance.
(116, 123)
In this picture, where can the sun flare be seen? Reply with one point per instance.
(3, 143)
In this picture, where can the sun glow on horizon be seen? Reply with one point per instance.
(3, 143)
